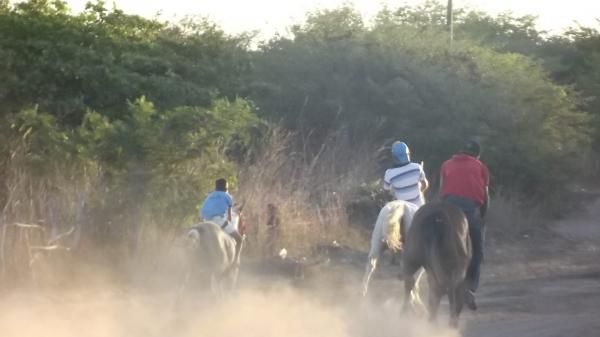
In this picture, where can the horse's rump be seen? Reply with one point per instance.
(450, 254)
(438, 240)
(392, 223)
(209, 248)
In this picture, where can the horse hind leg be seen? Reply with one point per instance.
(215, 286)
(377, 249)
(370, 268)
(396, 258)
(456, 300)
(435, 297)
(415, 295)
(182, 289)
(409, 284)
(231, 277)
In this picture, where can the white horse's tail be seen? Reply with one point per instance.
(392, 214)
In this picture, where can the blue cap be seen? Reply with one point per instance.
(401, 152)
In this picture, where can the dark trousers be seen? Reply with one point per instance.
(476, 232)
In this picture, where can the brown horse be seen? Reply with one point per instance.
(439, 241)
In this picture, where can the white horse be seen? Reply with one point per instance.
(210, 252)
(392, 223)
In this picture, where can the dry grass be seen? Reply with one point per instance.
(41, 216)
(518, 232)
(510, 218)
(311, 192)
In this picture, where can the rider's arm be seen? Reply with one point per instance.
(423, 182)
(238, 246)
(442, 174)
(386, 185)
(483, 209)
(229, 201)
(424, 185)
(486, 192)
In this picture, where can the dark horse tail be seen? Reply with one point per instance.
(448, 244)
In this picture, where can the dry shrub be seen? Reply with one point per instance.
(310, 190)
(510, 218)
(41, 215)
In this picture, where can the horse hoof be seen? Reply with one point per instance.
(470, 300)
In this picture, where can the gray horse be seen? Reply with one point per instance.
(439, 241)
(210, 256)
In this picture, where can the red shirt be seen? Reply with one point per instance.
(465, 176)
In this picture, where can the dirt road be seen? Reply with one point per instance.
(552, 290)
(541, 285)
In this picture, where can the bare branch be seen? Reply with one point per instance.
(28, 226)
(49, 248)
(61, 236)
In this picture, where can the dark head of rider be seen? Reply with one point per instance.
(472, 148)
(221, 185)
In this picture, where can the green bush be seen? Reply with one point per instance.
(402, 81)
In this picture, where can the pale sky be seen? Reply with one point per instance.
(270, 16)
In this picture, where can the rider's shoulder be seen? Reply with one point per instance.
(225, 194)
(220, 194)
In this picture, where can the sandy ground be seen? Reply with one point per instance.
(552, 289)
(542, 284)
(539, 285)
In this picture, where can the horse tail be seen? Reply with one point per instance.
(393, 216)
(209, 248)
(446, 247)
(435, 236)
(193, 237)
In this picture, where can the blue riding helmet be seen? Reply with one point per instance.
(401, 152)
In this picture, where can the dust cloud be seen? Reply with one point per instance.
(276, 312)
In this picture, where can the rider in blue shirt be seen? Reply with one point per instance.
(218, 203)
(217, 208)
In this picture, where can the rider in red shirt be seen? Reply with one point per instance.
(464, 182)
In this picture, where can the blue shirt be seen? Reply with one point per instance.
(216, 204)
